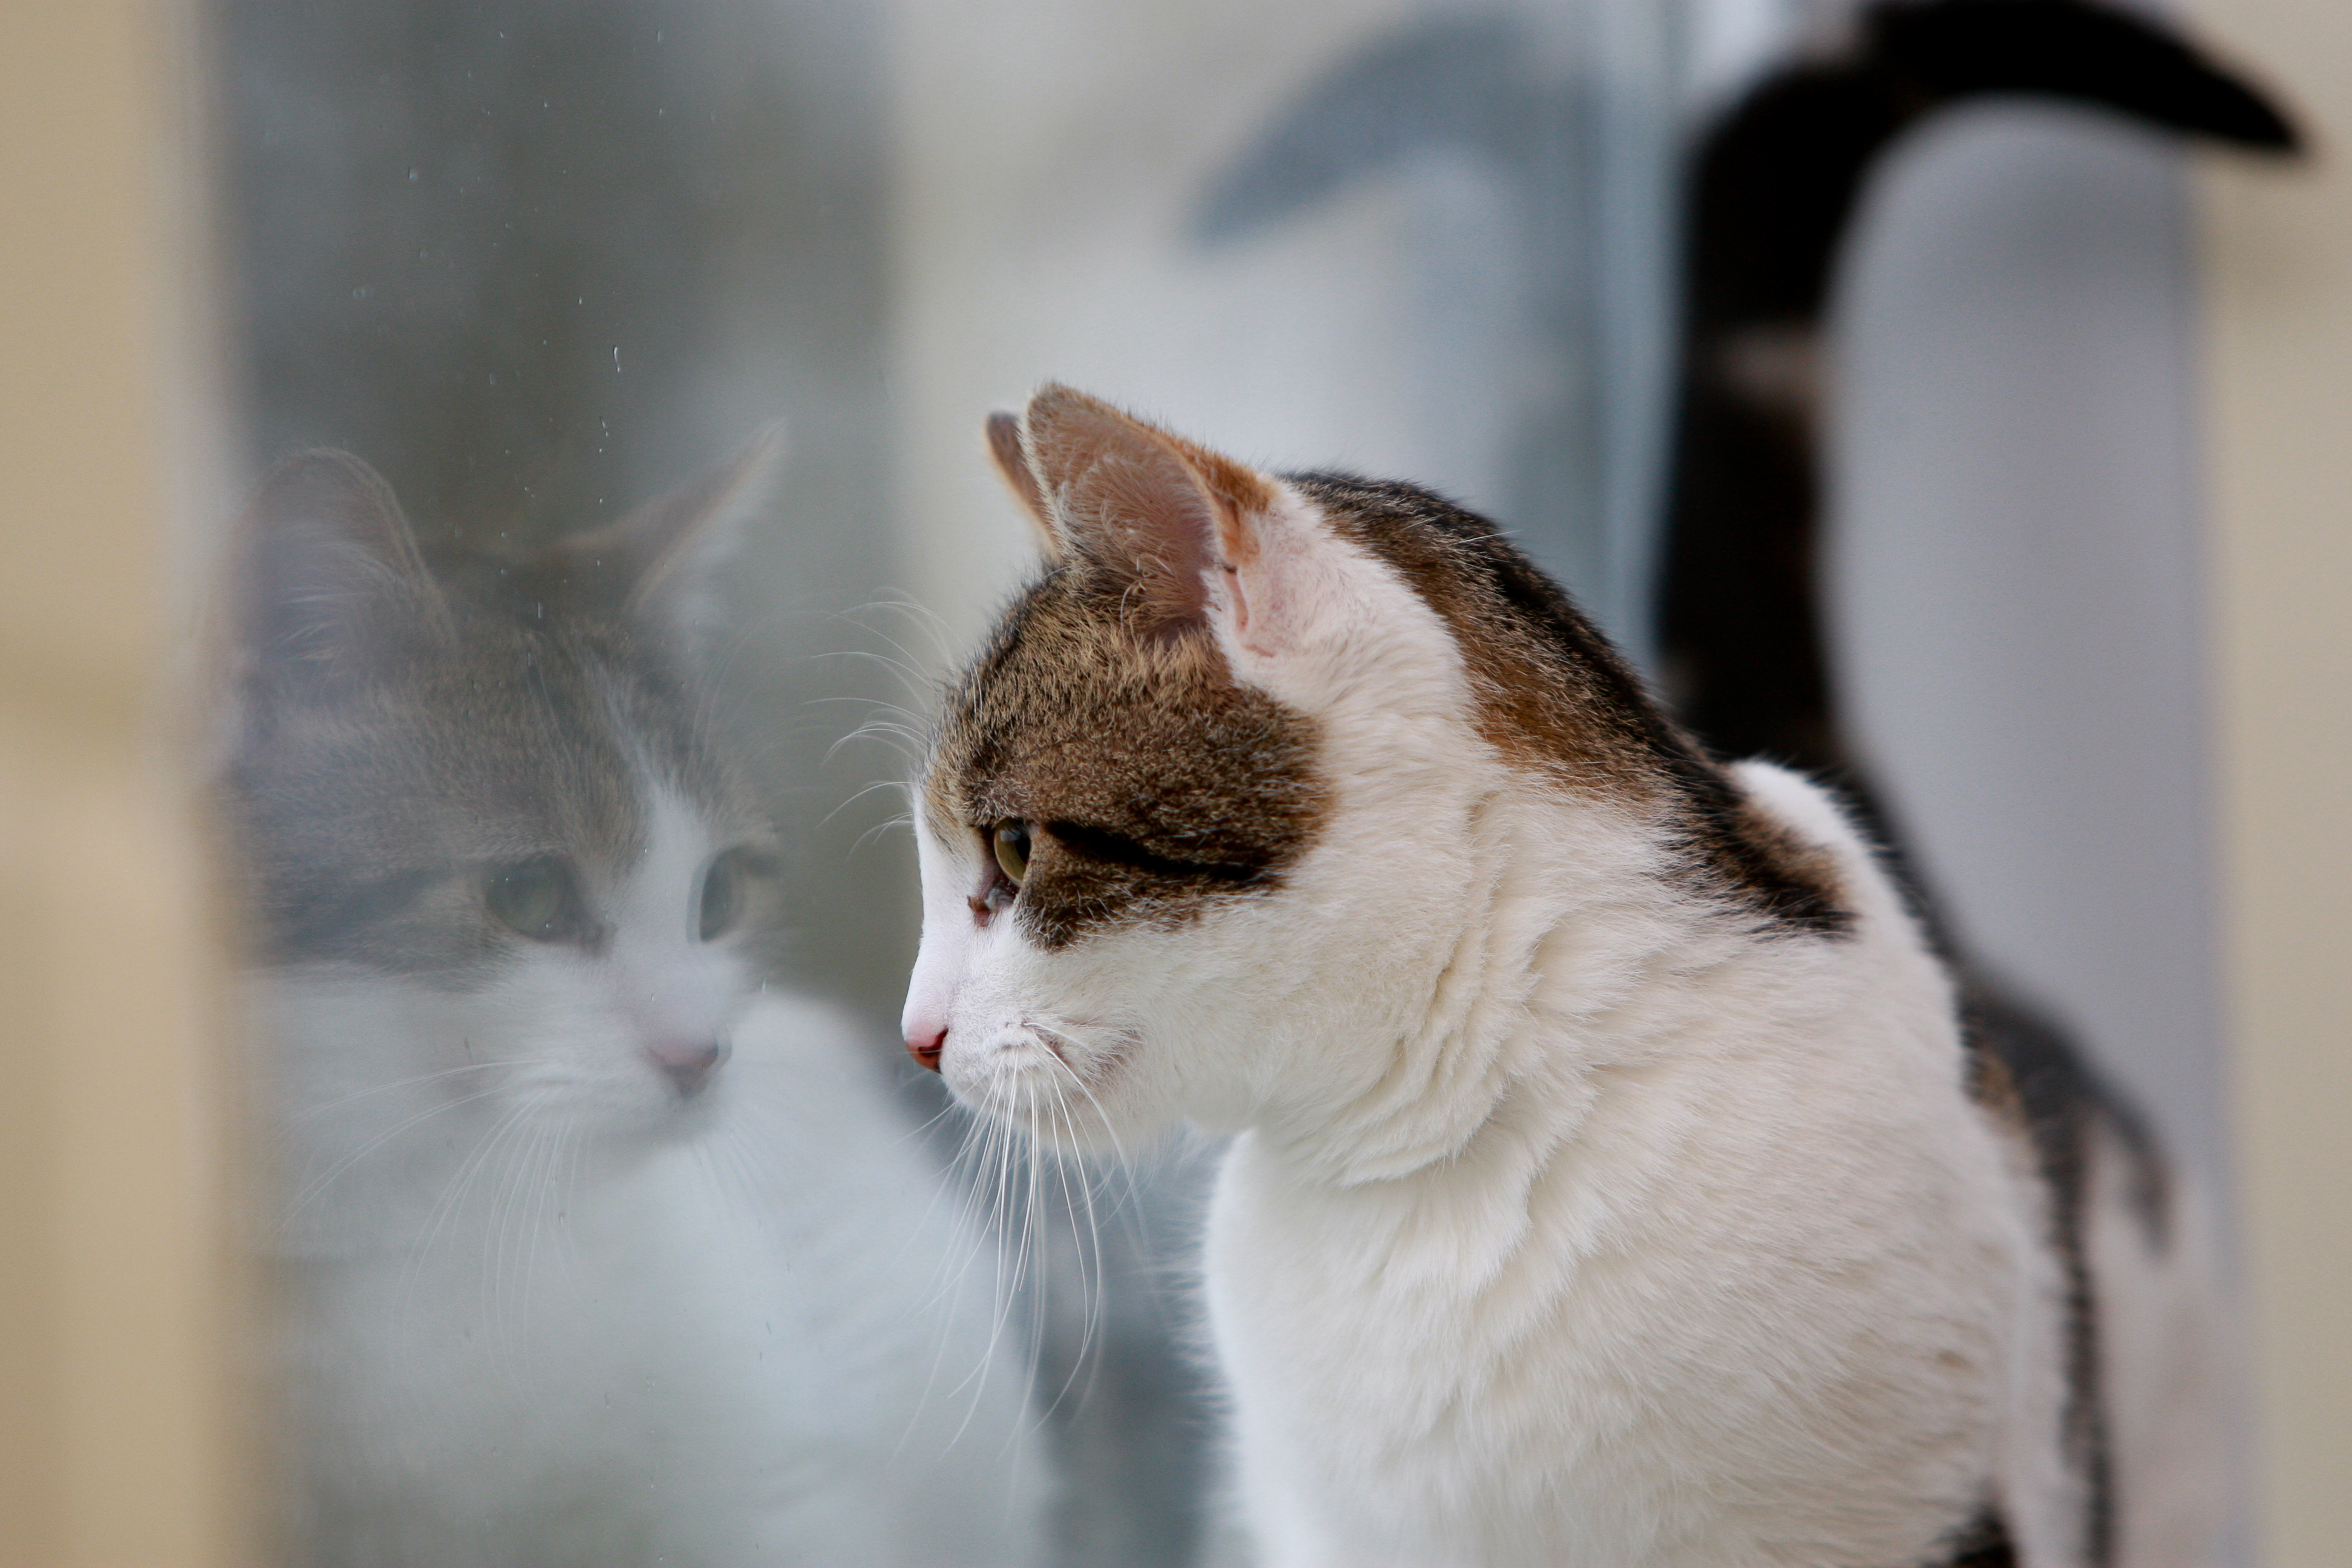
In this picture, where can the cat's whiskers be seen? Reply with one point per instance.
(508, 1194)
(994, 1146)
(452, 1197)
(529, 1189)
(424, 1078)
(948, 1283)
(921, 1131)
(1047, 1103)
(573, 1179)
(1034, 1236)
(542, 1188)
(732, 1144)
(861, 794)
(949, 1278)
(906, 731)
(522, 1138)
(905, 820)
(317, 1186)
(1109, 1061)
(912, 669)
(1093, 1297)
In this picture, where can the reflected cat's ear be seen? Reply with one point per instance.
(663, 560)
(1012, 467)
(332, 586)
(1178, 522)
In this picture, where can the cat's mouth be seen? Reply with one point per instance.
(1052, 1080)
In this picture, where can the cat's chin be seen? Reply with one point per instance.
(1065, 1087)
(647, 1123)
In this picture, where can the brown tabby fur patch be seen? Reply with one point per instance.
(1554, 698)
(1154, 783)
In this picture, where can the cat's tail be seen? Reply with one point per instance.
(1772, 184)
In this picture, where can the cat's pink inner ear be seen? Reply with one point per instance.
(1012, 467)
(1155, 510)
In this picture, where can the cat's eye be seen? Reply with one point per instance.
(726, 894)
(538, 899)
(1010, 841)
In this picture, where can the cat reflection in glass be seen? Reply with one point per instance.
(594, 1248)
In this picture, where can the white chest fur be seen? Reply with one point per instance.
(1732, 1273)
(725, 1349)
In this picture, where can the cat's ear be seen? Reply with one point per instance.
(332, 588)
(1176, 521)
(1012, 467)
(663, 560)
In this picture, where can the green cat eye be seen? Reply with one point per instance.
(724, 895)
(1011, 842)
(538, 899)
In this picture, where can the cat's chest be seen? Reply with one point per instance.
(601, 1318)
(1561, 1355)
(1396, 1311)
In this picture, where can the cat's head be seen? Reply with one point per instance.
(498, 867)
(1236, 801)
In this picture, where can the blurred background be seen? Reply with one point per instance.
(538, 263)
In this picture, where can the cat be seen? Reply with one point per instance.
(1773, 183)
(1610, 1181)
(594, 1247)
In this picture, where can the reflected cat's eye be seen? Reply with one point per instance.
(1011, 840)
(538, 899)
(726, 894)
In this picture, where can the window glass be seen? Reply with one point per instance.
(609, 383)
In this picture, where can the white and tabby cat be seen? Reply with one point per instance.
(1611, 1183)
(594, 1248)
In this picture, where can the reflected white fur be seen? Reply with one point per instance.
(1569, 1221)
(541, 1312)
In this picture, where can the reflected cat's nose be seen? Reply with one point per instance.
(688, 1064)
(925, 1044)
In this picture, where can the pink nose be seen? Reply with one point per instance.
(926, 1043)
(688, 1064)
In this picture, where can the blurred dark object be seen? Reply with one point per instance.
(1772, 185)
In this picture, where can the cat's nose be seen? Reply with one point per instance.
(688, 1064)
(925, 1043)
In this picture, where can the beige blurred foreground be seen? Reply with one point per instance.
(122, 1431)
